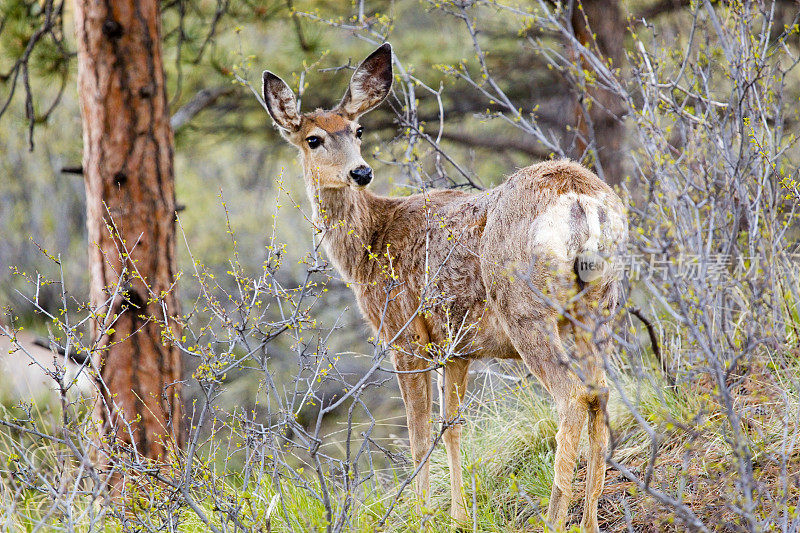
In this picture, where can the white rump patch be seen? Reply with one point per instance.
(551, 230)
(555, 230)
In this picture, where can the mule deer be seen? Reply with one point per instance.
(506, 260)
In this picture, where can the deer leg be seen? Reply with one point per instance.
(537, 340)
(595, 468)
(455, 385)
(415, 388)
(597, 396)
(571, 416)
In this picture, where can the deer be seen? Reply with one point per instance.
(526, 262)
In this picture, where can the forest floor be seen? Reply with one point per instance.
(507, 450)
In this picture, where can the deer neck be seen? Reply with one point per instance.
(350, 219)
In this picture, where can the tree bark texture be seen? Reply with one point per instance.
(605, 32)
(128, 172)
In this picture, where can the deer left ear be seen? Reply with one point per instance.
(281, 102)
(370, 84)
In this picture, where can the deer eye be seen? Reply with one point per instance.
(313, 141)
(359, 132)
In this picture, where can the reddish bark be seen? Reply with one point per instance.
(128, 172)
(605, 33)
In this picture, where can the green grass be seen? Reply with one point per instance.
(508, 447)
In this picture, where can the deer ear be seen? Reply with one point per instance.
(370, 83)
(281, 103)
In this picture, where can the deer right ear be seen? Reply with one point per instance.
(370, 84)
(281, 103)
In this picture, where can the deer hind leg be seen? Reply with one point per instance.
(455, 385)
(533, 330)
(572, 408)
(415, 388)
(590, 362)
(588, 395)
(595, 468)
(538, 342)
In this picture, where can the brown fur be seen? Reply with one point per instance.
(332, 123)
(494, 261)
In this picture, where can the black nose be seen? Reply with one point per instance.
(361, 175)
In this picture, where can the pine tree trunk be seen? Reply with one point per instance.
(607, 29)
(128, 170)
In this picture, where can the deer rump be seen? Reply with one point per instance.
(558, 227)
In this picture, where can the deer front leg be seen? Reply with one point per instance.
(415, 388)
(455, 385)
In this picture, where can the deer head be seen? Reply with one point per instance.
(330, 141)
